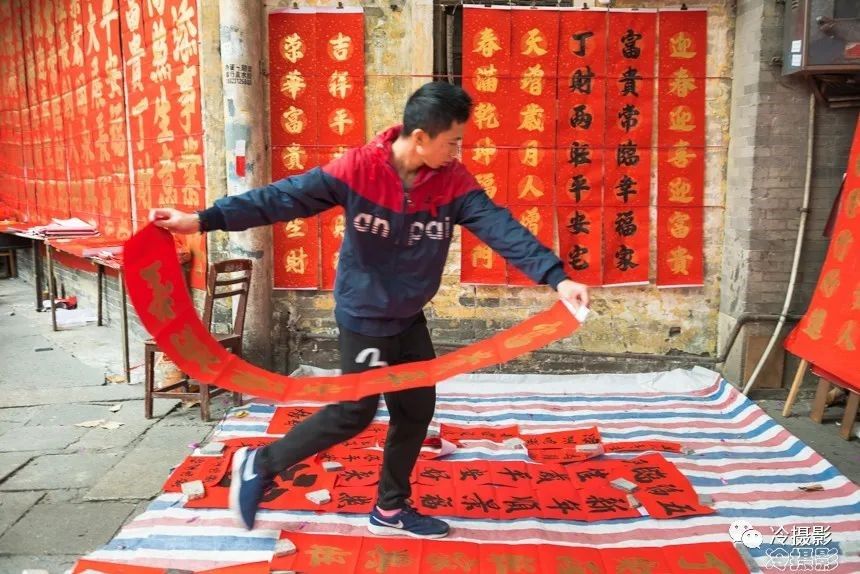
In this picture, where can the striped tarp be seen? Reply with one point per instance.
(751, 467)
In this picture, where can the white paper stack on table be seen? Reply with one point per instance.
(73, 227)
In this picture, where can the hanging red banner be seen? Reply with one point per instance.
(581, 142)
(340, 61)
(154, 281)
(828, 336)
(489, 164)
(631, 47)
(681, 137)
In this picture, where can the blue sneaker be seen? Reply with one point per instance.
(407, 522)
(246, 487)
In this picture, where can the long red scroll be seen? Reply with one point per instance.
(155, 285)
(681, 136)
(828, 336)
(316, 91)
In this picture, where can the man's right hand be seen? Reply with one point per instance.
(174, 220)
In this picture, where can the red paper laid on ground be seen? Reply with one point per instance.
(156, 288)
(285, 418)
(828, 336)
(353, 554)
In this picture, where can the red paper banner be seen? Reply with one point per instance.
(828, 336)
(479, 264)
(317, 97)
(681, 137)
(154, 280)
(538, 220)
(347, 555)
(296, 252)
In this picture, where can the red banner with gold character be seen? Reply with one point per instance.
(631, 46)
(155, 285)
(539, 220)
(681, 148)
(296, 254)
(352, 555)
(317, 109)
(828, 336)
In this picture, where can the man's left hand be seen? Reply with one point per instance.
(574, 293)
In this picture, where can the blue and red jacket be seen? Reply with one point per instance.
(396, 240)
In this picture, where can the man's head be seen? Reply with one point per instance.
(433, 120)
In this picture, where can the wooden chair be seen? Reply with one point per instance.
(9, 256)
(825, 382)
(231, 278)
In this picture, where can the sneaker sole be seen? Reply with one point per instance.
(389, 531)
(235, 478)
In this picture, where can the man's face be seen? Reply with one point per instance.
(441, 150)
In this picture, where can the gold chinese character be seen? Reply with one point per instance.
(320, 555)
(160, 63)
(338, 152)
(296, 228)
(293, 84)
(293, 48)
(162, 116)
(815, 324)
(488, 182)
(339, 85)
(530, 153)
(531, 185)
(842, 244)
(340, 121)
(531, 118)
(456, 562)
(194, 349)
(680, 190)
(679, 225)
(486, 79)
(482, 256)
(680, 118)
(679, 260)
(487, 43)
(681, 156)
(293, 120)
(92, 36)
(635, 565)
(484, 152)
(568, 565)
(530, 219)
(830, 283)
(485, 116)
(161, 306)
(338, 227)
(512, 563)
(846, 339)
(852, 203)
(320, 390)
(534, 43)
(253, 383)
(294, 157)
(681, 83)
(532, 80)
(296, 261)
(189, 162)
(680, 46)
(855, 305)
(381, 560)
(340, 47)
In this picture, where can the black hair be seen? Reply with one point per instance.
(434, 107)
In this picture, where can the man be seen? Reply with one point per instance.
(402, 193)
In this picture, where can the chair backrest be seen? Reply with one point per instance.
(230, 278)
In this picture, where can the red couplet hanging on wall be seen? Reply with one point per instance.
(681, 148)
